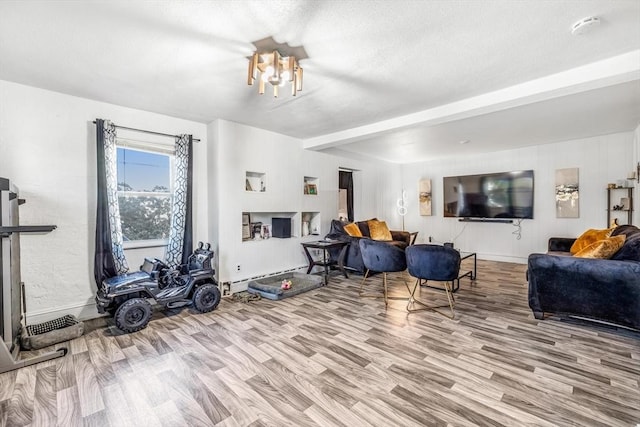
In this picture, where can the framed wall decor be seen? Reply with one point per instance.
(567, 193)
(424, 196)
(246, 232)
(256, 230)
(246, 226)
(266, 231)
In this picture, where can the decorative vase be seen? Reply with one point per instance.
(305, 228)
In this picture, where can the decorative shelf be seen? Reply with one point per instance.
(311, 185)
(255, 182)
(312, 227)
(259, 226)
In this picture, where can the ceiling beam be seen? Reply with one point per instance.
(608, 72)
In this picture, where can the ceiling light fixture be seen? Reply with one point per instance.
(275, 69)
(277, 64)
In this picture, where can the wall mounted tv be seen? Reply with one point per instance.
(492, 195)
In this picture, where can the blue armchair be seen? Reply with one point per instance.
(432, 262)
(383, 258)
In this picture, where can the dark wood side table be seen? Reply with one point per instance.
(325, 262)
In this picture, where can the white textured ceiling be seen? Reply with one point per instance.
(369, 62)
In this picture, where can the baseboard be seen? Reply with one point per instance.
(239, 287)
(502, 258)
(81, 311)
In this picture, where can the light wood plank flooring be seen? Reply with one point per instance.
(328, 358)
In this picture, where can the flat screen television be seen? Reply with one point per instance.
(489, 195)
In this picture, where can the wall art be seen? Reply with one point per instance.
(567, 193)
(424, 194)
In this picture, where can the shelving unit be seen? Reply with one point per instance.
(255, 182)
(616, 197)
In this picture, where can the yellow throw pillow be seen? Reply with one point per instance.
(352, 230)
(604, 248)
(379, 230)
(588, 237)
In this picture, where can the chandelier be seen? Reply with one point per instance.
(275, 69)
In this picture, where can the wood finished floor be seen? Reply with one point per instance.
(329, 358)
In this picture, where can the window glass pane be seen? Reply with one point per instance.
(142, 171)
(145, 217)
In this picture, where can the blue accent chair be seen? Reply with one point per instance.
(381, 257)
(432, 262)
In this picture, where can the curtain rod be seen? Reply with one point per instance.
(150, 132)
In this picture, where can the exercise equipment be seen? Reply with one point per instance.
(11, 286)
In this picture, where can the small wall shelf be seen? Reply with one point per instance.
(311, 185)
(312, 227)
(255, 182)
(258, 226)
(616, 198)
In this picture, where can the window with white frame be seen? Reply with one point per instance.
(144, 192)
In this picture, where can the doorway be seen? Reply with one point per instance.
(345, 195)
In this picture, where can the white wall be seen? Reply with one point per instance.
(601, 160)
(237, 149)
(47, 148)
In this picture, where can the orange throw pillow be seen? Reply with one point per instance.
(604, 248)
(352, 230)
(588, 237)
(379, 230)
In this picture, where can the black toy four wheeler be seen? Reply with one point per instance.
(126, 297)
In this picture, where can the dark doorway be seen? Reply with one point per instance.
(345, 186)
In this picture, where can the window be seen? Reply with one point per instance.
(144, 193)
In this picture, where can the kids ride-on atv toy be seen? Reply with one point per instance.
(126, 297)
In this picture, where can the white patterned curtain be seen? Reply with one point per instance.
(109, 259)
(180, 232)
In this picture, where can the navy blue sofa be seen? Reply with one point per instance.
(605, 290)
(353, 259)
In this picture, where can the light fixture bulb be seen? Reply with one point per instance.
(273, 79)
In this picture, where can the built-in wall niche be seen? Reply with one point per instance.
(311, 185)
(260, 226)
(255, 182)
(310, 224)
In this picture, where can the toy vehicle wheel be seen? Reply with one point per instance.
(133, 315)
(206, 298)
